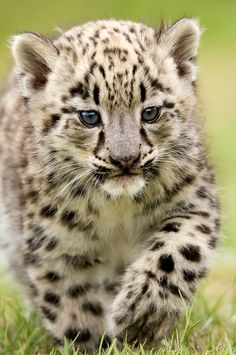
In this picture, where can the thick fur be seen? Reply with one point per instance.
(101, 252)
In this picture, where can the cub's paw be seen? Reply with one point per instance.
(146, 309)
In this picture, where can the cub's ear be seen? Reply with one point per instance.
(34, 56)
(181, 41)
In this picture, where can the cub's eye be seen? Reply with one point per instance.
(151, 114)
(90, 118)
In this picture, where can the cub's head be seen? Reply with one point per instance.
(112, 103)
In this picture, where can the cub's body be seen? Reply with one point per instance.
(108, 223)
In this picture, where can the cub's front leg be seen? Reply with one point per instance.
(157, 285)
(65, 293)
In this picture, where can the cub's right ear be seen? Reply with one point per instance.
(181, 41)
(35, 57)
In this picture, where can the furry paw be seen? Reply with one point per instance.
(144, 312)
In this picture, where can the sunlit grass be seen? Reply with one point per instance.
(209, 326)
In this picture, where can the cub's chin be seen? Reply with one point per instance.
(123, 185)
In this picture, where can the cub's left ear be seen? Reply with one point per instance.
(181, 41)
(35, 57)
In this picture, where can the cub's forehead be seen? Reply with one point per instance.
(108, 34)
(116, 61)
(112, 44)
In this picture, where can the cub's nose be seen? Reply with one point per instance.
(125, 162)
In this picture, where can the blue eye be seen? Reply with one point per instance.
(90, 118)
(151, 114)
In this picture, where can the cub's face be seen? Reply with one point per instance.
(112, 103)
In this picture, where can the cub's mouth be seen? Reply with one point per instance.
(125, 173)
(124, 177)
(121, 182)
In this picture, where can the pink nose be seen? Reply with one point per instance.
(125, 163)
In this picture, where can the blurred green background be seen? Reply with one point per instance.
(216, 60)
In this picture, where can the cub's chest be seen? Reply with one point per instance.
(109, 234)
(119, 220)
(115, 230)
(120, 229)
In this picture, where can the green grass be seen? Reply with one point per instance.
(209, 326)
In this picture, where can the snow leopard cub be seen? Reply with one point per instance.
(110, 204)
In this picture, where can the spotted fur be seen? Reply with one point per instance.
(109, 228)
